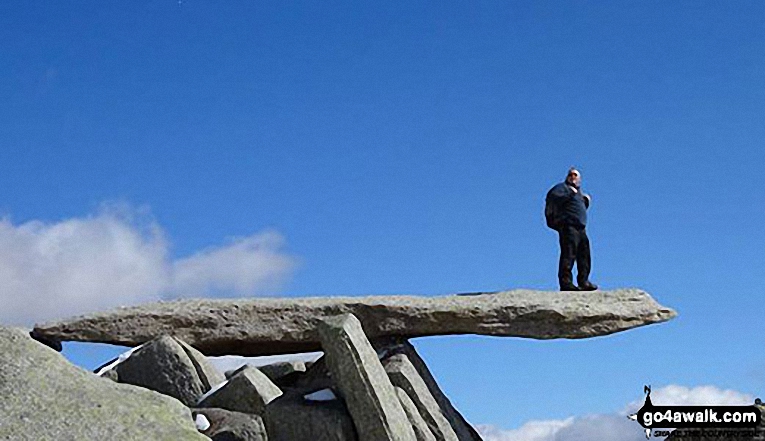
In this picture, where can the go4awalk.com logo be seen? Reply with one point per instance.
(696, 417)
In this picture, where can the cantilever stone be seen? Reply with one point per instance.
(262, 326)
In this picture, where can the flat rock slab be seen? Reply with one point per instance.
(286, 325)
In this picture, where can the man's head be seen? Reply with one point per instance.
(574, 177)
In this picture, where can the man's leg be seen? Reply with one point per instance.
(583, 262)
(568, 247)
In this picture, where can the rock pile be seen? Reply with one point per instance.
(366, 389)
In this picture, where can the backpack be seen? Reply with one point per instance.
(553, 215)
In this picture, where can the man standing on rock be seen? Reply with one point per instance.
(566, 212)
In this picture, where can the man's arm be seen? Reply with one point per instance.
(561, 191)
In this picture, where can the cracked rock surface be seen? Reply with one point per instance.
(265, 326)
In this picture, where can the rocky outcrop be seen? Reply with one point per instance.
(168, 366)
(45, 398)
(274, 326)
(362, 389)
(361, 379)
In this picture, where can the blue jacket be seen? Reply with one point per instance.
(573, 207)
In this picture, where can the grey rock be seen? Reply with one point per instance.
(46, 398)
(168, 366)
(403, 374)
(316, 377)
(283, 372)
(362, 381)
(463, 429)
(280, 325)
(421, 429)
(232, 372)
(249, 391)
(292, 418)
(207, 373)
(226, 425)
(276, 372)
(111, 374)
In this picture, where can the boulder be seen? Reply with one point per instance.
(292, 417)
(46, 398)
(286, 325)
(362, 381)
(226, 425)
(403, 374)
(249, 391)
(421, 430)
(168, 366)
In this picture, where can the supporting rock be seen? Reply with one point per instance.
(463, 429)
(403, 374)
(207, 373)
(293, 418)
(421, 429)
(361, 379)
(249, 391)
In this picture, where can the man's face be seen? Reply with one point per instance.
(574, 178)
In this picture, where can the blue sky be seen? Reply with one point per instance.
(406, 148)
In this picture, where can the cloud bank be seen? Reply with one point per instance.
(614, 427)
(121, 256)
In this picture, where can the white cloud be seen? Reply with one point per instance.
(531, 431)
(674, 395)
(120, 256)
(614, 427)
(245, 267)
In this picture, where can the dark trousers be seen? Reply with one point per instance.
(574, 246)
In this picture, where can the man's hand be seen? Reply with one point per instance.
(586, 200)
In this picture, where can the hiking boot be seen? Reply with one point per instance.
(569, 287)
(587, 286)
